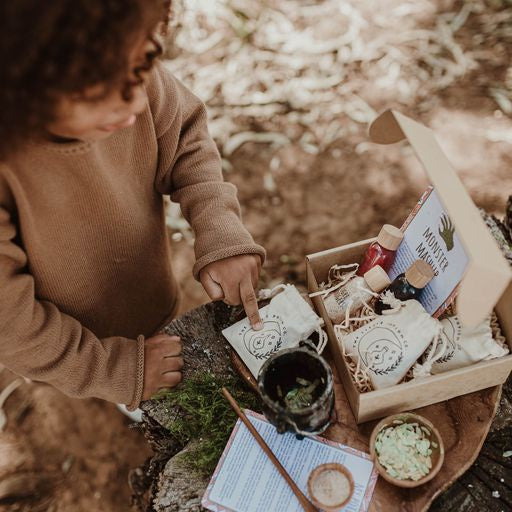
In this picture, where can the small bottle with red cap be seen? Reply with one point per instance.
(382, 252)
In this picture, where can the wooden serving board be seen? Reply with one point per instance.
(463, 423)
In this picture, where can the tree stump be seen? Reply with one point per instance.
(164, 485)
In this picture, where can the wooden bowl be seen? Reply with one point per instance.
(437, 455)
(332, 466)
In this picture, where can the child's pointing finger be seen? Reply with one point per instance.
(250, 303)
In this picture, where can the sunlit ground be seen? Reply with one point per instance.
(291, 87)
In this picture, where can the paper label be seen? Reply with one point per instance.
(255, 347)
(389, 345)
(430, 235)
(287, 320)
(246, 480)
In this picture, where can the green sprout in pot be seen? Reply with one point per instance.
(299, 396)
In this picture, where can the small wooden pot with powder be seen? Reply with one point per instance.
(330, 486)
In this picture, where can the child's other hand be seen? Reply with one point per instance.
(162, 364)
(234, 281)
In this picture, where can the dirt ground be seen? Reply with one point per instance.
(59, 454)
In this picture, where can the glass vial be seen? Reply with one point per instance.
(409, 285)
(355, 293)
(382, 252)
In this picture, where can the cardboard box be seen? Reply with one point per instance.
(487, 284)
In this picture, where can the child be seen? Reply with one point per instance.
(93, 132)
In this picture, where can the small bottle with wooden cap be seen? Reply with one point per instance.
(352, 296)
(382, 252)
(409, 285)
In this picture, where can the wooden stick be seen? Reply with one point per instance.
(306, 504)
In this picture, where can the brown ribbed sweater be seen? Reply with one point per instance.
(84, 252)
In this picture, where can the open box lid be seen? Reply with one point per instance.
(488, 273)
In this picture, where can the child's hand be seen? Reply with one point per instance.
(234, 280)
(162, 364)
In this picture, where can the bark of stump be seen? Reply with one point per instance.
(163, 485)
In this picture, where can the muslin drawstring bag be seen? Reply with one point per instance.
(346, 293)
(466, 345)
(287, 320)
(388, 346)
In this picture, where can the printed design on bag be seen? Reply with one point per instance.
(262, 344)
(447, 232)
(381, 349)
(451, 334)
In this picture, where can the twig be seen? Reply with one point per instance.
(306, 504)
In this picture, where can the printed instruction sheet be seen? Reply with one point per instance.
(430, 235)
(246, 480)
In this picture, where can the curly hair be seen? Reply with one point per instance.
(50, 49)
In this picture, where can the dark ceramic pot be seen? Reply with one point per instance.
(281, 371)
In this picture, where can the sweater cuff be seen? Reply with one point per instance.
(139, 383)
(228, 252)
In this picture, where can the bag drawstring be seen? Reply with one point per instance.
(323, 339)
(390, 300)
(270, 293)
(336, 275)
(360, 375)
(424, 369)
(367, 313)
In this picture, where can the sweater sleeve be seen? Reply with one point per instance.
(190, 171)
(41, 343)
